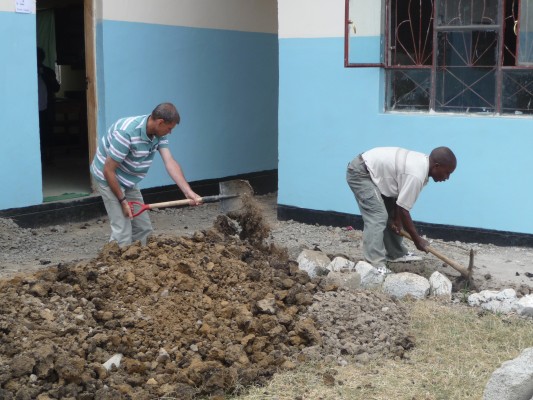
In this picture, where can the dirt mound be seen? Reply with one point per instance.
(188, 316)
(361, 326)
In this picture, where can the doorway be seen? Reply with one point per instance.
(63, 119)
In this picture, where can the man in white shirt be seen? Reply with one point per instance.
(386, 182)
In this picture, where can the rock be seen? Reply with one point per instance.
(163, 356)
(440, 286)
(513, 380)
(267, 306)
(406, 284)
(524, 306)
(370, 276)
(113, 361)
(344, 280)
(341, 264)
(503, 301)
(313, 262)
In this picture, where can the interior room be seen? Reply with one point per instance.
(63, 104)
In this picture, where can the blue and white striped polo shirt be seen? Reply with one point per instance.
(127, 143)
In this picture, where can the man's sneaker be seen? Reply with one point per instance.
(406, 258)
(383, 270)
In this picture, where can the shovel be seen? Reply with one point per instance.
(465, 272)
(229, 197)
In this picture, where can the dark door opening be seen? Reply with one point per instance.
(63, 125)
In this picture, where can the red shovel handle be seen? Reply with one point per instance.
(137, 207)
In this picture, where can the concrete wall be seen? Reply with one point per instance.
(328, 114)
(217, 60)
(20, 164)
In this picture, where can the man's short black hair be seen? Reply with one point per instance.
(444, 156)
(167, 112)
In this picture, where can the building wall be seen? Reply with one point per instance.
(328, 114)
(20, 163)
(217, 60)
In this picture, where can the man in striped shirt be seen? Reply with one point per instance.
(122, 160)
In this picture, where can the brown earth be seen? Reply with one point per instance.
(202, 314)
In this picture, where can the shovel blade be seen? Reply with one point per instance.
(238, 188)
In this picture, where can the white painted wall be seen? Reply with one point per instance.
(311, 18)
(9, 5)
(239, 15)
(325, 18)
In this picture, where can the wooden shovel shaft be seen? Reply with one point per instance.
(172, 203)
(184, 202)
(467, 273)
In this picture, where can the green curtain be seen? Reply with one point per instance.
(46, 36)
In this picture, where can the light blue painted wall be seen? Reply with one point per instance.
(20, 164)
(328, 114)
(224, 83)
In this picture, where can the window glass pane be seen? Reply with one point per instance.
(466, 73)
(408, 89)
(365, 31)
(525, 49)
(467, 12)
(510, 24)
(467, 48)
(412, 33)
(517, 92)
(454, 64)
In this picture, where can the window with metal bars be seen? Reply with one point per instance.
(464, 56)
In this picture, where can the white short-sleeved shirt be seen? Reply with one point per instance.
(398, 173)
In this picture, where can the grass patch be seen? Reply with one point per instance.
(457, 350)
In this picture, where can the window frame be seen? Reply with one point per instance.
(500, 67)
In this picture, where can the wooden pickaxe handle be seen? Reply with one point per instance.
(466, 272)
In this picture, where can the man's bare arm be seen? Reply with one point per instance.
(110, 174)
(409, 227)
(176, 173)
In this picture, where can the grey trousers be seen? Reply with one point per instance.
(123, 230)
(379, 243)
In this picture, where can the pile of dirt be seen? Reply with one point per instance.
(188, 316)
(359, 326)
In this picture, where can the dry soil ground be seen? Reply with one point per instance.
(210, 305)
(26, 250)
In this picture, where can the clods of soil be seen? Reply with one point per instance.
(182, 317)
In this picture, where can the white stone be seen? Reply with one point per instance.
(524, 306)
(370, 277)
(345, 280)
(313, 262)
(406, 283)
(513, 380)
(114, 360)
(492, 300)
(340, 264)
(440, 286)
